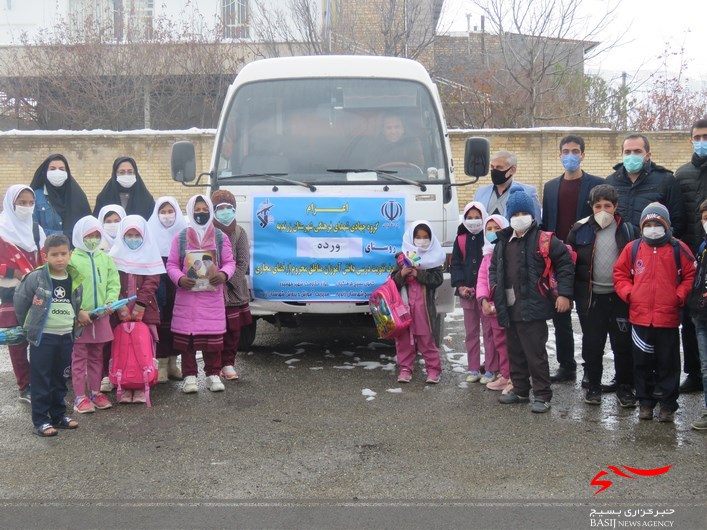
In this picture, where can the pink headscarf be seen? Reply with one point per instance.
(500, 221)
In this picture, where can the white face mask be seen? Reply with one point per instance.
(704, 225)
(603, 218)
(24, 212)
(653, 232)
(521, 223)
(127, 181)
(473, 225)
(421, 243)
(111, 229)
(167, 219)
(57, 177)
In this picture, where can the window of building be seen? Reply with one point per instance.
(235, 19)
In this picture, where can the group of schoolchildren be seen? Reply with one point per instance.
(61, 292)
(627, 282)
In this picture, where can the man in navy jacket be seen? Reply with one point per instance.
(566, 201)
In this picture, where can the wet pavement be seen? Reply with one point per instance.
(318, 415)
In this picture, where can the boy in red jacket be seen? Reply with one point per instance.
(647, 277)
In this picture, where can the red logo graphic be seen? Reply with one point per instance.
(606, 484)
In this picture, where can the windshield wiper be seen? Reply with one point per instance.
(383, 173)
(273, 176)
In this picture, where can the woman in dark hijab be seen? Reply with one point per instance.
(60, 201)
(126, 188)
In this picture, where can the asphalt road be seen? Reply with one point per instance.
(300, 426)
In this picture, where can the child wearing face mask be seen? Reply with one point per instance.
(164, 225)
(466, 261)
(419, 282)
(199, 318)
(598, 240)
(648, 278)
(101, 286)
(139, 264)
(109, 217)
(496, 354)
(697, 301)
(21, 241)
(236, 289)
(521, 307)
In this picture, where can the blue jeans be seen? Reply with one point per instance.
(47, 363)
(701, 331)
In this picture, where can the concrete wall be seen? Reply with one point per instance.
(91, 155)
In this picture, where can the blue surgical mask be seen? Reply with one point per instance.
(226, 216)
(633, 163)
(491, 237)
(571, 162)
(133, 243)
(701, 149)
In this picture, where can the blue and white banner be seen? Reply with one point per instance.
(324, 248)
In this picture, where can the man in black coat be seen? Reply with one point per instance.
(692, 179)
(565, 201)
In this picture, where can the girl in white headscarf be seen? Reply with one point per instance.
(20, 253)
(419, 273)
(164, 225)
(109, 217)
(199, 318)
(101, 286)
(140, 265)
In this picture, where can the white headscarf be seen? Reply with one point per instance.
(432, 256)
(84, 226)
(117, 208)
(145, 260)
(501, 221)
(13, 229)
(478, 206)
(199, 229)
(161, 235)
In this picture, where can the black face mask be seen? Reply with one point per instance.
(202, 218)
(498, 177)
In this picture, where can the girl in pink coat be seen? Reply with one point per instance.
(495, 352)
(199, 318)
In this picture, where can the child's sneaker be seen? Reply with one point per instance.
(83, 405)
(214, 383)
(138, 396)
(512, 398)
(229, 373)
(701, 423)
(432, 379)
(190, 386)
(106, 385)
(473, 377)
(405, 376)
(127, 396)
(488, 377)
(25, 395)
(498, 384)
(100, 401)
(509, 388)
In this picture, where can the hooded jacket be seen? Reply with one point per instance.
(654, 184)
(534, 306)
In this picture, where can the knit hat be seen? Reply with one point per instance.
(519, 201)
(221, 196)
(655, 212)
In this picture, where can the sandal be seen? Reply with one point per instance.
(46, 430)
(66, 423)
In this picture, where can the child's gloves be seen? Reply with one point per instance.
(137, 313)
(466, 292)
(124, 314)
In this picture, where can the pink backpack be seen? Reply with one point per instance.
(391, 315)
(132, 364)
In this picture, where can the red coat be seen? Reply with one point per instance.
(146, 289)
(652, 292)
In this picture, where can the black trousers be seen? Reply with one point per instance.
(656, 365)
(690, 351)
(527, 357)
(47, 363)
(564, 340)
(607, 315)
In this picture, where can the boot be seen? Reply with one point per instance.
(162, 371)
(173, 370)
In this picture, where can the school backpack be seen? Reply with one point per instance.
(132, 363)
(547, 283)
(390, 313)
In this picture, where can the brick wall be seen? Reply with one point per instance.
(91, 155)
